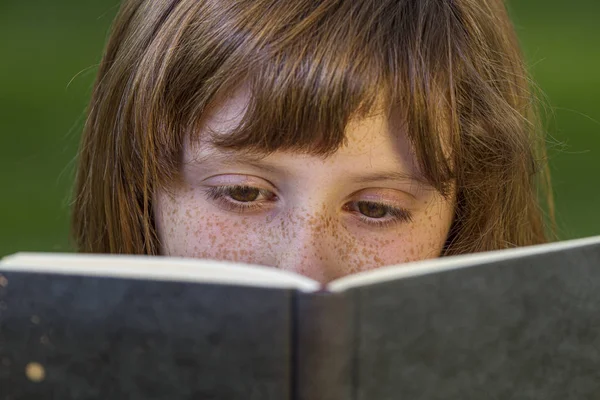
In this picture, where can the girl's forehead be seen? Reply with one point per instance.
(225, 112)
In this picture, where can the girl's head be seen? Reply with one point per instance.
(321, 136)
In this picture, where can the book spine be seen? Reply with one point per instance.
(324, 346)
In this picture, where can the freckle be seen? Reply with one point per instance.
(35, 372)
(45, 340)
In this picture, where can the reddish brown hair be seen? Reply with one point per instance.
(454, 67)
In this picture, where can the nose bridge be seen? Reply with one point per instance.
(307, 243)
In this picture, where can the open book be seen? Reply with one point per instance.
(520, 324)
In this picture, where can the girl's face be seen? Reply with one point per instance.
(361, 208)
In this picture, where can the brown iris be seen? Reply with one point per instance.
(372, 210)
(244, 193)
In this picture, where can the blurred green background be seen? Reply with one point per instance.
(50, 49)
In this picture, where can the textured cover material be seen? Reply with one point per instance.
(105, 338)
(521, 329)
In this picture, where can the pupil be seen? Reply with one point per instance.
(372, 210)
(244, 194)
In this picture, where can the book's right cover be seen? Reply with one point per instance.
(525, 328)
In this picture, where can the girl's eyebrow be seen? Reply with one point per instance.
(396, 176)
(239, 158)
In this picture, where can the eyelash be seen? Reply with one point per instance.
(222, 196)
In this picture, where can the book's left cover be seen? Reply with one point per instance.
(76, 337)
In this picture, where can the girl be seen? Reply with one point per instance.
(323, 137)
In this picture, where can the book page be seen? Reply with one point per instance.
(158, 268)
(394, 272)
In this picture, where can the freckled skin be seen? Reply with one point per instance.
(306, 230)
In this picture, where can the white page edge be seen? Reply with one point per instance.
(157, 268)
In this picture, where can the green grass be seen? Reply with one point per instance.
(48, 63)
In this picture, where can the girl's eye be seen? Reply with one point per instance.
(240, 198)
(379, 214)
(244, 193)
(372, 210)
